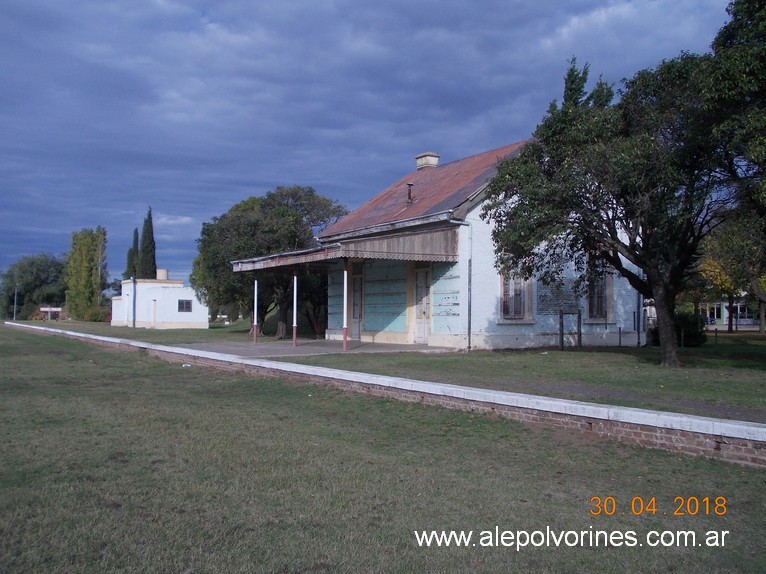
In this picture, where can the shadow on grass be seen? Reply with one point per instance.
(644, 355)
(736, 351)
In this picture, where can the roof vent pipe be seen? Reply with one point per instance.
(427, 159)
(409, 193)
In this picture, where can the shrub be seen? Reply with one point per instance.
(690, 331)
(98, 314)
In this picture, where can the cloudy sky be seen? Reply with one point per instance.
(108, 108)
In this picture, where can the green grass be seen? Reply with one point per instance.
(122, 462)
(725, 378)
(236, 332)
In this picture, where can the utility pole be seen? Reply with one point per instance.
(15, 298)
(134, 300)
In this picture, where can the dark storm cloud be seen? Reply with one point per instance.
(189, 107)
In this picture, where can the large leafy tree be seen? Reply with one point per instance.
(285, 219)
(630, 187)
(295, 216)
(735, 86)
(234, 235)
(32, 281)
(86, 272)
(735, 89)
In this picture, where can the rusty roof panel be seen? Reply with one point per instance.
(434, 190)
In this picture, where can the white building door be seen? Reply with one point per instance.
(356, 307)
(422, 306)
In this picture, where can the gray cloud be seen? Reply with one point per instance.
(189, 107)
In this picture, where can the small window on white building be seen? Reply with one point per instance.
(514, 298)
(184, 305)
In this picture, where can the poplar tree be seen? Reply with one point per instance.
(100, 275)
(86, 273)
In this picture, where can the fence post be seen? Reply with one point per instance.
(561, 329)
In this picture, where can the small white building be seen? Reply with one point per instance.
(160, 303)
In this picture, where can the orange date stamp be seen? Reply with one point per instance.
(640, 506)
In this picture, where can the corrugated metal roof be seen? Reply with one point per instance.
(434, 190)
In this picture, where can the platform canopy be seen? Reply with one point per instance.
(431, 245)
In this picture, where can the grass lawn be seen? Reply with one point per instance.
(727, 380)
(122, 462)
(236, 332)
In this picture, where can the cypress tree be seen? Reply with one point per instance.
(131, 268)
(147, 259)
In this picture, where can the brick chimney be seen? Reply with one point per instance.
(426, 160)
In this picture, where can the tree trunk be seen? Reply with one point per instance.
(731, 313)
(760, 293)
(253, 323)
(262, 314)
(282, 312)
(666, 328)
(312, 321)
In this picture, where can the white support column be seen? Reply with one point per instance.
(295, 308)
(345, 309)
(255, 311)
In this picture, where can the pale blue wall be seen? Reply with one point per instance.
(385, 295)
(445, 299)
(335, 296)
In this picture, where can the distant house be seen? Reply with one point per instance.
(742, 313)
(415, 264)
(160, 303)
